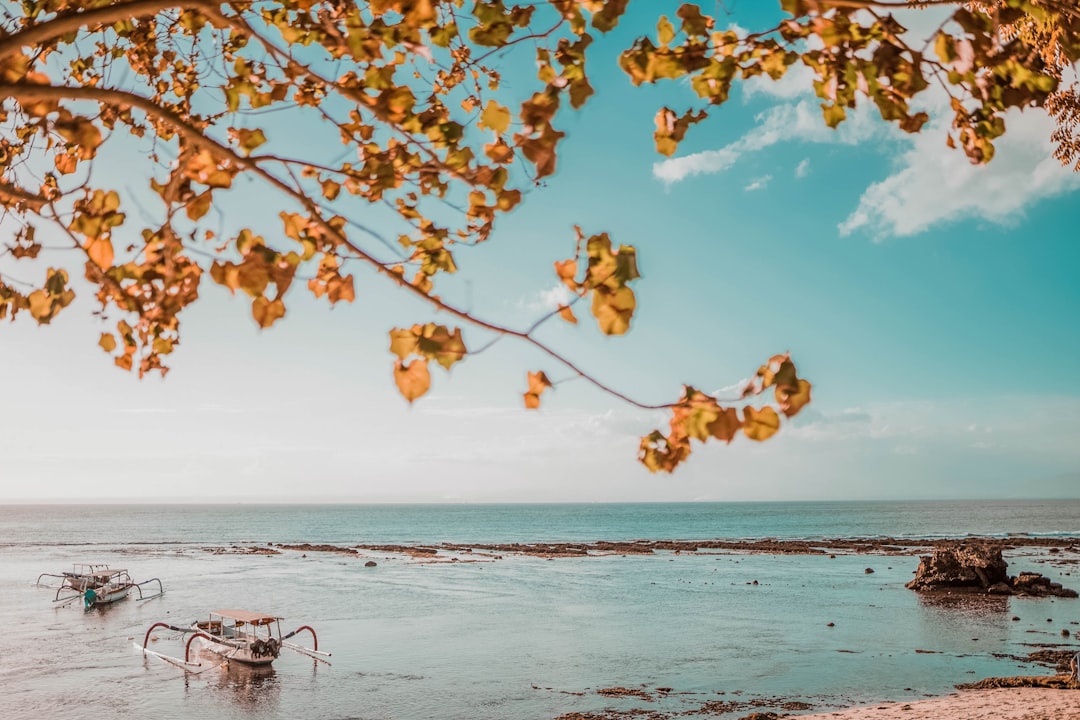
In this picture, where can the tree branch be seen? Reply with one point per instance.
(73, 22)
(24, 92)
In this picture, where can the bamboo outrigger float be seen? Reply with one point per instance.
(97, 584)
(241, 636)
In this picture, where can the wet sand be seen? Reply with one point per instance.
(1000, 704)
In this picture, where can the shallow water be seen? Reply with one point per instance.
(516, 637)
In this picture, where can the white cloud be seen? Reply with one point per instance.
(759, 184)
(803, 168)
(792, 85)
(933, 185)
(702, 163)
(548, 300)
(789, 122)
(930, 185)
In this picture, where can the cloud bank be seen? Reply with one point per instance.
(928, 185)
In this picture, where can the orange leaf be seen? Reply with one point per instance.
(413, 380)
(760, 424)
(65, 163)
(538, 382)
(100, 251)
(566, 270)
(567, 314)
(267, 312)
(793, 399)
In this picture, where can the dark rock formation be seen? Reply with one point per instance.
(978, 567)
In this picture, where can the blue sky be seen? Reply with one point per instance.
(933, 304)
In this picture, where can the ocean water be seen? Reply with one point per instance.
(493, 637)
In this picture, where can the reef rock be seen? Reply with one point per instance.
(976, 567)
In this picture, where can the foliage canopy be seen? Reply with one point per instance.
(413, 91)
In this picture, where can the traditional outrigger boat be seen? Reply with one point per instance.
(97, 584)
(242, 636)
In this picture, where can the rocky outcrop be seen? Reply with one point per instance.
(977, 567)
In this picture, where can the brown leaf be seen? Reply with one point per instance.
(725, 425)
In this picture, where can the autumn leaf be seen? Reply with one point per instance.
(267, 312)
(538, 382)
(792, 399)
(613, 309)
(100, 251)
(495, 117)
(199, 205)
(403, 342)
(726, 425)
(413, 379)
(567, 271)
(65, 163)
(760, 424)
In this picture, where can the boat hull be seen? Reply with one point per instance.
(104, 596)
(235, 653)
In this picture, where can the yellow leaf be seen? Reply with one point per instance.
(330, 189)
(413, 380)
(495, 117)
(107, 342)
(665, 31)
(403, 342)
(613, 309)
(100, 252)
(266, 312)
(760, 424)
(40, 306)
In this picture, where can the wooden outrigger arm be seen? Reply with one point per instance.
(52, 575)
(138, 586)
(186, 662)
(313, 653)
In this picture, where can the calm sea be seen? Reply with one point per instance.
(516, 637)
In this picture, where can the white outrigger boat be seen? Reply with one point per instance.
(97, 584)
(243, 636)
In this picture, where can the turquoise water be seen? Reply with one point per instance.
(515, 637)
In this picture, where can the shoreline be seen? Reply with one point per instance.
(994, 704)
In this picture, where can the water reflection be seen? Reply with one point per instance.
(976, 604)
(246, 687)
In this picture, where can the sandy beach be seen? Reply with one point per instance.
(999, 704)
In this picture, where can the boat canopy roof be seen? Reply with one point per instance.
(247, 616)
(99, 573)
